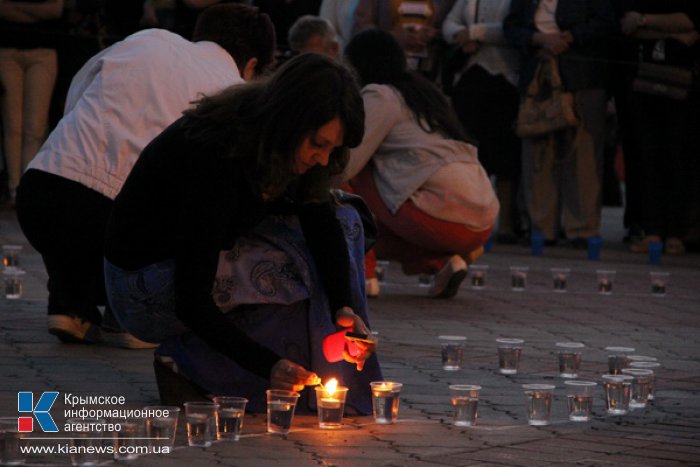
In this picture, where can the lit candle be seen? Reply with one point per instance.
(328, 401)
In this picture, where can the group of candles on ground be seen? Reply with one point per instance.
(518, 278)
(628, 385)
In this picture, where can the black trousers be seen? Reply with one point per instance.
(65, 221)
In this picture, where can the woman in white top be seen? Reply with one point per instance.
(432, 199)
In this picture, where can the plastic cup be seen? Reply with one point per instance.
(647, 365)
(569, 358)
(477, 275)
(85, 442)
(518, 278)
(128, 439)
(201, 423)
(659, 281)
(655, 250)
(161, 427)
(617, 358)
(385, 401)
(537, 243)
(465, 400)
(560, 279)
(606, 278)
(595, 244)
(382, 270)
(11, 441)
(509, 351)
(579, 399)
(539, 403)
(641, 384)
(280, 410)
(12, 283)
(330, 406)
(452, 352)
(617, 393)
(230, 414)
(10, 256)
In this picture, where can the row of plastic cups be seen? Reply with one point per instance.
(560, 278)
(569, 356)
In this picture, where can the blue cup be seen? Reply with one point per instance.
(655, 250)
(537, 243)
(594, 245)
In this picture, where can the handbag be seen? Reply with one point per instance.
(546, 107)
(663, 80)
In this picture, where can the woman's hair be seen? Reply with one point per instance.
(378, 59)
(264, 122)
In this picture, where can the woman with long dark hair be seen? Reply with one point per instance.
(418, 172)
(233, 175)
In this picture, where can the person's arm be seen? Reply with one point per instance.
(9, 12)
(49, 9)
(455, 23)
(382, 110)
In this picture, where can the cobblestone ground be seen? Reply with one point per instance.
(667, 432)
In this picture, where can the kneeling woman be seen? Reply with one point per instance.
(242, 180)
(434, 204)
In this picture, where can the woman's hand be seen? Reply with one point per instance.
(291, 377)
(346, 318)
(631, 21)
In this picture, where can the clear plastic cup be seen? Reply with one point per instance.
(539, 403)
(659, 281)
(606, 278)
(85, 441)
(452, 352)
(280, 410)
(569, 358)
(617, 393)
(230, 414)
(201, 423)
(641, 386)
(518, 278)
(579, 399)
(330, 403)
(477, 275)
(560, 279)
(617, 358)
(385, 401)
(465, 400)
(647, 365)
(161, 426)
(509, 350)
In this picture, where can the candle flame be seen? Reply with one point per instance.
(331, 386)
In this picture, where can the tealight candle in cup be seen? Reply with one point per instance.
(560, 277)
(605, 281)
(518, 278)
(579, 399)
(640, 386)
(539, 403)
(509, 351)
(569, 358)
(477, 275)
(385, 401)
(659, 280)
(452, 352)
(382, 270)
(646, 365)
(330, 400)
(12, 283)
(617, 393)
(10, 256)
(617, 358)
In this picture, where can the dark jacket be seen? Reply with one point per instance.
(583, 65)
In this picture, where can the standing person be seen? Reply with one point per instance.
(562, 171)
(268, 148)
(28, 69)
(434, 203)
(415, 25)
(341, 15)
(313, 34)
(117, 103)
(666, 34)
(486, 98)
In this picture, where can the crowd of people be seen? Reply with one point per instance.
(192, 194)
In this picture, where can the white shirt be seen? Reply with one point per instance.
(124, 97)
(545, 17)
(485, 21)
(341, 14)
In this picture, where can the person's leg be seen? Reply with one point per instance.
(582, 167)
(39, 80)
(540, 183)
(11, 109)
(420, 242)
(65, 221)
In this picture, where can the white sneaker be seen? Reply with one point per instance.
(71, 329)
(447, 280)
(372, 287)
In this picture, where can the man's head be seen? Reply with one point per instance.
(313, 34)
(244, 32)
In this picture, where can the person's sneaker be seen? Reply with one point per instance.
(447, 280)
(372, 287)
(114, 335)
(70, 329)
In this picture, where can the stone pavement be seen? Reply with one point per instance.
(665, 433)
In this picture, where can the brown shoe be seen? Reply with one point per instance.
(447, 280)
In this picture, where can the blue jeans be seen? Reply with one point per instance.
(143, 301)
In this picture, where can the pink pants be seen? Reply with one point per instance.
(420, 242)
